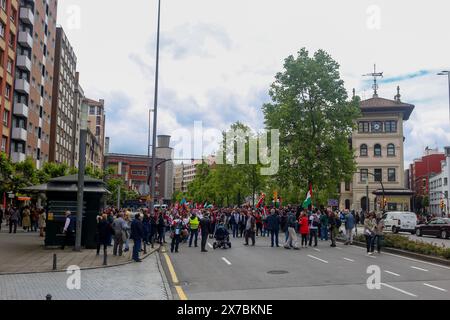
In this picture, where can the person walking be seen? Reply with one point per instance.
(291, 224)
(161, 225)
(283, 225)
(126, 231)
(146, 227)
(26, 219)
(103, 232)
(250, 229)
(177, 228)
(205, 224)
(119, 226)
(324, 226)
(369, 233)
(41, 223)
(69, 229)
(242, 222)
(193, 228)
(153, 229)
(235, 218)
(13, 219)
(259, 224)
(304, 229)
(349, 226)
(379, 232)
(314, 222)
(273, 226)
(137, 234)
(332, 222)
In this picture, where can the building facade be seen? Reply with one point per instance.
(439, 187)
(33, 86)
(79, 99)
(379, 153)
(421, 170)
(63, 115)
(94, 152)
(185, 173)
(9, 27)
(96, 122)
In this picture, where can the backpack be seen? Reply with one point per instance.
(315, 222)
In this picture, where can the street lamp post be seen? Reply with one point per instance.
(81, 169)
(155, 114)
(367, 190)
(446, 73)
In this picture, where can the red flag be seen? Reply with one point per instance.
(260, 200)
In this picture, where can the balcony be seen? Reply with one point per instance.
(19, 134)
(23, 63)
(27, 15)
(18, 157)
(20, 110)
(25, 39)
(22, 86)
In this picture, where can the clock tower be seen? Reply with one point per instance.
(378, 143)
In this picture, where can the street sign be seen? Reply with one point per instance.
(11, 195)
(333, 202)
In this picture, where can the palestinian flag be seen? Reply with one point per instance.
(308, 201)
(261, 200)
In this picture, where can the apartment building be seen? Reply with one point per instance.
(79, 99)
(33, 87)
(63, 114)
(96, 122)
(9, 22)
(439, 186)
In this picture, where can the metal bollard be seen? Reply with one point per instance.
(48, 297)
(145, 248)
(105, 258)
(54, 261)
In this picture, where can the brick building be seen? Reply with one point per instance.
(422, 169)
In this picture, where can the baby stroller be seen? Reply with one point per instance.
(222, 237)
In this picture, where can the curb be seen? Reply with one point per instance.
(164, 277)
(408, 254)
(83, 268)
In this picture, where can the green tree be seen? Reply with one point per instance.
(310, 108)
(6, 173)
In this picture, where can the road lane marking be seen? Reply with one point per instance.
(317, 250)
(399, 290)
(175, 281)
(434, 287)
(324, 261)
(181, 293)
(393, 273)
(226, 261)
(417, 268)
(349, 259)
(209, 245)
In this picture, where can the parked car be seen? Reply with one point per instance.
(399, 221)
(438, 227)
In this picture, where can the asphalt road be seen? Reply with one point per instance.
(266, 273)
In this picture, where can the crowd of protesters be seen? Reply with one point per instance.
(30, 218)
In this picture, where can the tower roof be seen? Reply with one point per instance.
(377, 104)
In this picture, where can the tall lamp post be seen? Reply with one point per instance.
(81, 169)
(155, 114)
(446, 73)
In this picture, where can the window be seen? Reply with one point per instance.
(363, 126)
(445, 181)
(363, 174)
(363, 150)
(3, 149)
(377, 150)
(2, 29)
(99, 120)
(13, 14)
(378, 175)
(391, 150)
(3, 4)
(347, 186)
(391, 175)
(8, 92)
(12, 39)
(92, 110)
(6, 118)
(9, 66)
(390, 126)
(97, 131)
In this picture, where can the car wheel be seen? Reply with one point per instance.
(418, 232)
(444, 234)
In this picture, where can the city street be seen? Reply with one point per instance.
(266, 273)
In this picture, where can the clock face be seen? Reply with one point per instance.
(376, 126)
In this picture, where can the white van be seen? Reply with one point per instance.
(397, 221)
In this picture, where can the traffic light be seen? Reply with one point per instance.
(442, 204)
(384, 202)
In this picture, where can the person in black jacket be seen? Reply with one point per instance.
(103, 233)
(205, 224)
(137, 234)
(273, 225)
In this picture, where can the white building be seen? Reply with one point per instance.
(439, 187)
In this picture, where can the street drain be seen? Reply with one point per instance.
(278, 272)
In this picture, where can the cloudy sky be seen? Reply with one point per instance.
(219, 57)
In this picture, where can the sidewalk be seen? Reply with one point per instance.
(24, 252)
